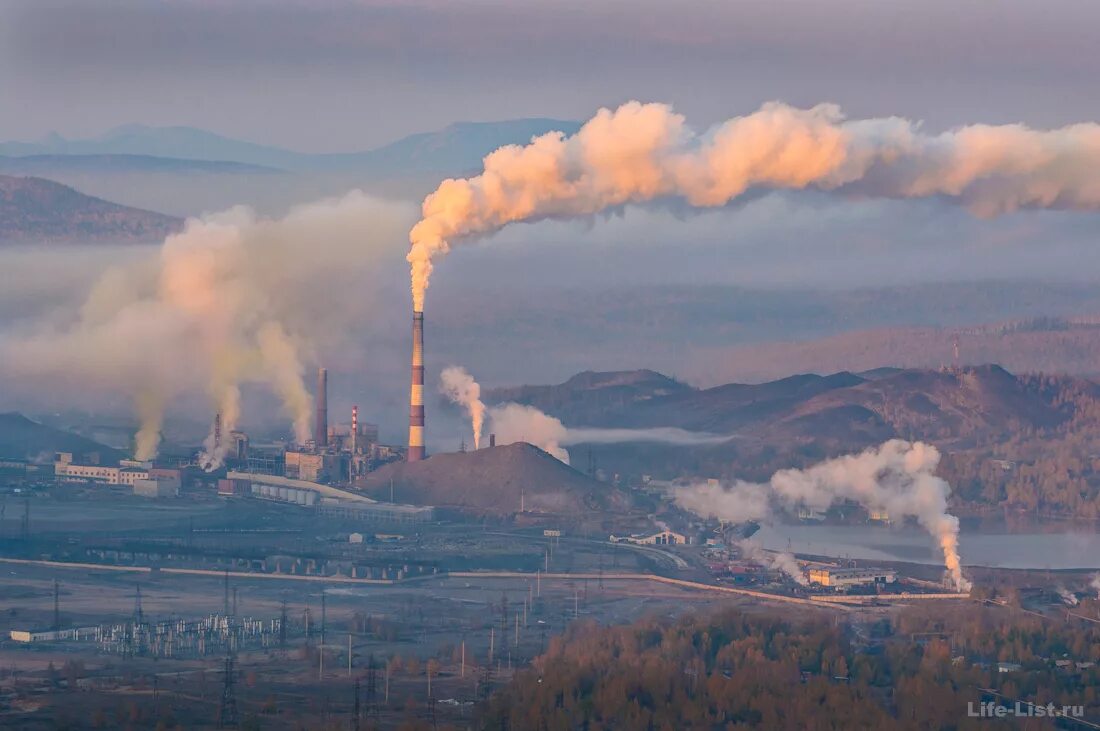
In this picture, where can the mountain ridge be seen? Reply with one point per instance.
(37, 210)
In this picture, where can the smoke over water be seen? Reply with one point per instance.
(644, 152)
(461, 388)
(231, 300)
(897, 477)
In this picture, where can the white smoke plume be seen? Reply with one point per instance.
(737, 503)
(233, 299)
(1095, 584)
(644, 152)
(460, 387)
(897, 477)
(520, 423)
(778, 560)
(1067, 596)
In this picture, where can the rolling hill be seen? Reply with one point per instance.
(493, 480)
(23, 438)
(36, 210)
(800, 419)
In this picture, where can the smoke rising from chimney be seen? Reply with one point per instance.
(643, 152)
(231, 300)
(460, 387)
(897, 477)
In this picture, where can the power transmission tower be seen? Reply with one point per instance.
(227, 714)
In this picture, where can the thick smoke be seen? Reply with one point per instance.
(1095, 584)
(521, 423)
(740, 502)
(897, 477)
(231, 300)
(461, 388)
(643, 152)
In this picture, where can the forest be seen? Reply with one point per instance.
(734, 669)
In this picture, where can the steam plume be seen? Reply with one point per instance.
(461, 388)
(1095, 584)
(520, 423)
(778, 560)
(231, 300)
(643, 152)
(897, 477)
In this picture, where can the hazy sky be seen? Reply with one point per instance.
(318, 75)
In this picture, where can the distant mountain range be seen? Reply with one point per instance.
(454, 149)
(35, 210)
(53, 164)
(803, 418)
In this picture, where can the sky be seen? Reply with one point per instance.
(342, 75)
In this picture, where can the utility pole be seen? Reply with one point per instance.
(349, 654)
(355, 713)
(282, 623)
(25, 526)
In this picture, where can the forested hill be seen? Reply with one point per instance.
(36, 210)
(735, 670)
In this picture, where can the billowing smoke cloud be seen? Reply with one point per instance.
(461, 388)
(643, 152)
(521, 423)
(897, 477)
(231, 300)
(1095, 584)
(736, 503)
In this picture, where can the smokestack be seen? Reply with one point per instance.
(354, 429)
(320, 428)
(492, 440)
(416, 392)
(217, 430)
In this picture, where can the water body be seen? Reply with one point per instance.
(1028, 547)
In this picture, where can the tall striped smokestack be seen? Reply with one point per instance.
(416, 393)
(354, 429)
(320, 428)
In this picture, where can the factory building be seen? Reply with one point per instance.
(156, 488)
(126, 473)
(844, 578)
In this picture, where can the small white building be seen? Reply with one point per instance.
(661, 538)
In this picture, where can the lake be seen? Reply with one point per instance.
(1030, 547)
